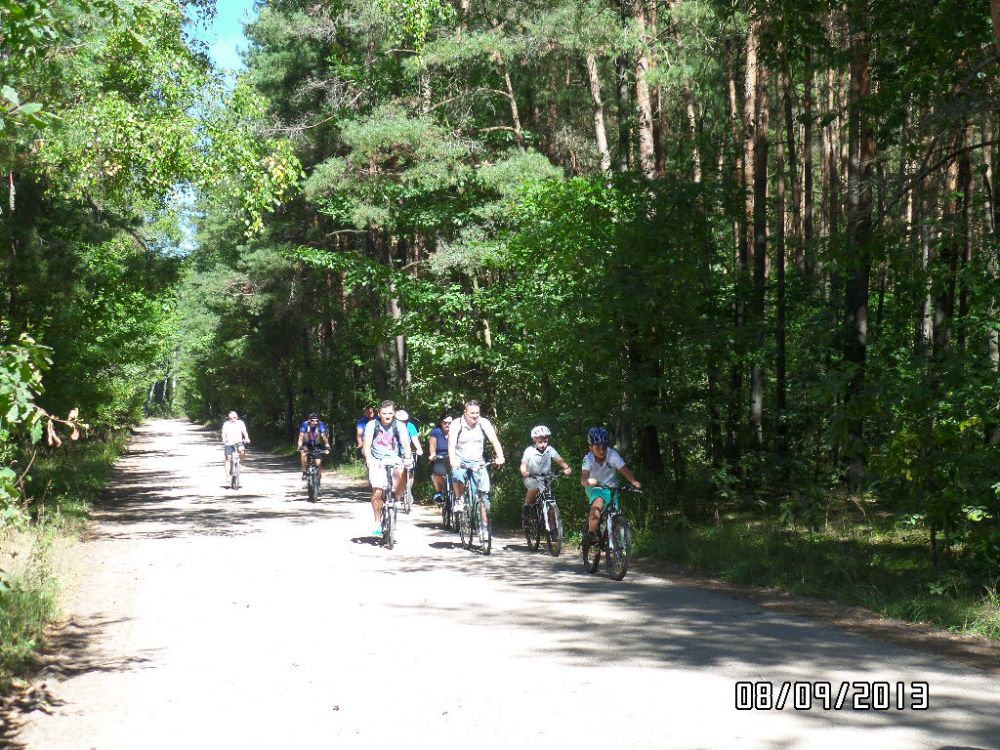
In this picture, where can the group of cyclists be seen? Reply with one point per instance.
(390, 444)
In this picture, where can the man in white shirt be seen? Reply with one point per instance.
(234, 437)
(466, 440)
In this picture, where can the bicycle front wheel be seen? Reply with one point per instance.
(591, 552)
(621, 537)
(234, 479)
(389, 527)
(532, 527)
(555, 532)
(446, 513)
(485, 528)
(464, 521)
(311, 486)
(407, 501)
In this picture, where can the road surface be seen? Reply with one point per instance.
(206, 618)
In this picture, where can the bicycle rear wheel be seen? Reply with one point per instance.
(555, 533)
(533, 527)
(621, 536)
(591, 552)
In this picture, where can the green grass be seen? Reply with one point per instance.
(884, 569)
(63, 485)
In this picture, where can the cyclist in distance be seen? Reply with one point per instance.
(466, 442)
(599, 467)
(385, 440)
(537, 459)
(312, 433)
(234, 433)
(437, 449)
(359, 426)
(414, 436)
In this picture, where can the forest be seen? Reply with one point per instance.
(757, 240)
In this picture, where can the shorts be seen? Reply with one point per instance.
(597, 493)
(439, 466)
(479, 470)
(231, 449)
(376, 470)
(530, 483)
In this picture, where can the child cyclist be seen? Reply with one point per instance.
(599, 467)
(537, 459)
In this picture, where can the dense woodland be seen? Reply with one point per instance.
(757, 239)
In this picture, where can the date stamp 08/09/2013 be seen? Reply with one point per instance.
(855, 695)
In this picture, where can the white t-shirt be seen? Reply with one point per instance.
(232, 431)
(539, 463)
(470, 442)
(604, 473)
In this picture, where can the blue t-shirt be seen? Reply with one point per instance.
(313, 433)
(442, 442)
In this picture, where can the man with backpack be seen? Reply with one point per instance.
(386, 444)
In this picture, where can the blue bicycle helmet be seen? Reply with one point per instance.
(598, 436)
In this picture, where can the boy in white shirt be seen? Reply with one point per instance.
(599, 467)
(537, 459)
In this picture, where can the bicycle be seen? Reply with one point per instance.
(389, 510)
(407, 493)
(476, 514)
(234, 466)
(544, 517)
(614, 538)
(313, 475)
(448, 519)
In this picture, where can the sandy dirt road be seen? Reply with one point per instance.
(206, 618)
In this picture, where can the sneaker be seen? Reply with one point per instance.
(377, 532)
(589, 539)
(526, 513)
(438, 498)
(305, 475)
(458, 505)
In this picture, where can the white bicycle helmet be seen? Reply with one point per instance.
(401, 415)
(540, 431)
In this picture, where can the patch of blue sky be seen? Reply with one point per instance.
(223, 34)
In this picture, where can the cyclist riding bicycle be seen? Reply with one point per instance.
(599, 467)
(466, 442)
(437, 448)
(414, 436)
(537, 459)
(312, 434)
(384, 440)
(234, 433)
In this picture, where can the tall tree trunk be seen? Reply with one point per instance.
(808, 231)
(760, 148)
(741, 261)
(861, 148)
(786, 95)
(624, 113)
(781, 429)
(964, 206)
(600, 133)
(992, 193)
(995, 12)
(643, 102)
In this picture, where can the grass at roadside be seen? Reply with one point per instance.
(887, 570)
(866, 562)
(63, 485)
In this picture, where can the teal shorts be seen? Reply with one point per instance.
(598, 493)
